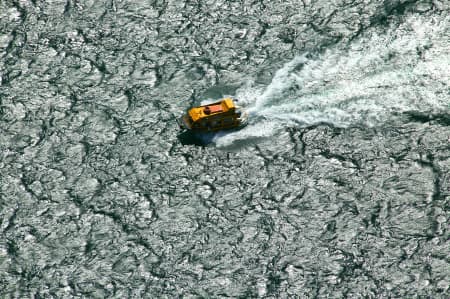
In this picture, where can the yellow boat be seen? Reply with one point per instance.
(222, 115)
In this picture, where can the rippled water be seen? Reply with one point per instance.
(339, 187)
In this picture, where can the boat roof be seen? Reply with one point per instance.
(224, 105)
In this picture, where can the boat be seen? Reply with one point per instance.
(218, 116)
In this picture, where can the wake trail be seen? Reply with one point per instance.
(406, 68)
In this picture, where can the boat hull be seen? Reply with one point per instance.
(220, 116)
(184, 124)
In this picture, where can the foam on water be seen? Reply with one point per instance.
(406, 68)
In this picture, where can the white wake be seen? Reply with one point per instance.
(406, 68)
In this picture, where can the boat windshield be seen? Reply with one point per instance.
(188, 120)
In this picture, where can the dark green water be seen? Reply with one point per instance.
(339, 187)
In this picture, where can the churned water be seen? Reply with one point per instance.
(379, 76)
(339, 186)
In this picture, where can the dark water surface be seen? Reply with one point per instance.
(339, 187)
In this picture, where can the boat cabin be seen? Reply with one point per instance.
(213, 117)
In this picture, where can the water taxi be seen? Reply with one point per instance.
(222, 115)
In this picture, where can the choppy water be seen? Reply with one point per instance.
(339, 187)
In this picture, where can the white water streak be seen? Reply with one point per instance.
(405, 68)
